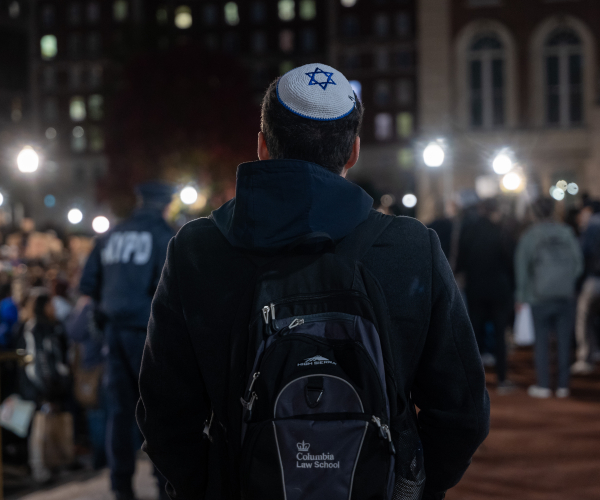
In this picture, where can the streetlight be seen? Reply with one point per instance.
(502, 164)
(409, 200)
(1, 199)
(75, 216)
(28, 160)
(512, 181)
(433, 155)
(188, 195)
(100, 224)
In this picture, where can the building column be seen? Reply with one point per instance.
(435, 83)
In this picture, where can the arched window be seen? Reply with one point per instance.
(486, 81)
(563, 53)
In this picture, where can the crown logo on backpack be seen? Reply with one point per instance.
(303, 446)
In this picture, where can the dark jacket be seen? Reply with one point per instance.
(203, 295)
(123, 269)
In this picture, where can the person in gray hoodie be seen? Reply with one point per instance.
(548, 262)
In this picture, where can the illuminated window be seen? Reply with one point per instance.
(382, 93)
(381, 25)
(383, 126)
(404, 125)
(78, 140)
(258, 12)
(405, 91)
(357, 87)
(93, 12)
(48, 47)
(183, 17)
(564, 78)
(286, 40)
(162, 16)
(95, 76)
(259, 42)
(96, 139)
(49, 78)
(74, 77)
(48, 16)
(309, 40)
(406, 158)
(120, 10)
(232, 16)
(285, 66)
(486, 81)
(51, 133)
(51, 109)
(308, 9)
(14, 10)
(74, 14)
(77, 109)
(210, 14)
(286, 9)
(402, 22)
(96, 106)
(348, 3)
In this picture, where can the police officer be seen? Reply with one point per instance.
(122, 274)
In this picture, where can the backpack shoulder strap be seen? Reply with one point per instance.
(358, 242)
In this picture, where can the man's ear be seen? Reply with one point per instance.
(353, 157)
(263, 152)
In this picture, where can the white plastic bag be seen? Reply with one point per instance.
(16, 414)
(524, 330)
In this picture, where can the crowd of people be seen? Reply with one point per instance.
(545, 264)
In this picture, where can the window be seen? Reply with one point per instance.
(95, 76)
(405, 90)
(93, 12)
(382, 93)
(286, 9)
(564, 78)
(486, 81)
(404, 125)
(258, 12)
(120, 10)
(94, 44)
(74, 14)
(309, 40)
(209, 14)
(381, 59)
(285, 66)
(74, 45)
(77, 109)
(308, 10)
(48, 47)
(348, 3)
(350, 26)
(403, 59)
(14, 10)
(286, 41)
(49, 78)
(74, 77)
(352, 60)
(162, 15)
(259, 42)
(96, 139)
(48, 16)
(78, 140)
(232, 16)
(51, 109)
(381, 25)
(403, 25)
(383, 126)
(96, 106)
(231, 42)
(406, 158)
(183, 17)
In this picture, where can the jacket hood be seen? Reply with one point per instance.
(279, 201)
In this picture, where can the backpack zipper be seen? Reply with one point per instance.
(268, 310)
(252, 397)
(384, 432)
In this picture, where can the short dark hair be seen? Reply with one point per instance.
(289, 136)
(543, 208)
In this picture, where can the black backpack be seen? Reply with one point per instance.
(321, 415)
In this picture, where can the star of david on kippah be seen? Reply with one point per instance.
(313, 81)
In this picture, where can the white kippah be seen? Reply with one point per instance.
(316, 91)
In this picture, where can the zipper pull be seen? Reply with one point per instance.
(266, 310)
(273, 311)
(388, 434)
(377, 422)
(296, 322)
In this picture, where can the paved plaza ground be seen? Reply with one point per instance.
(537, 449)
